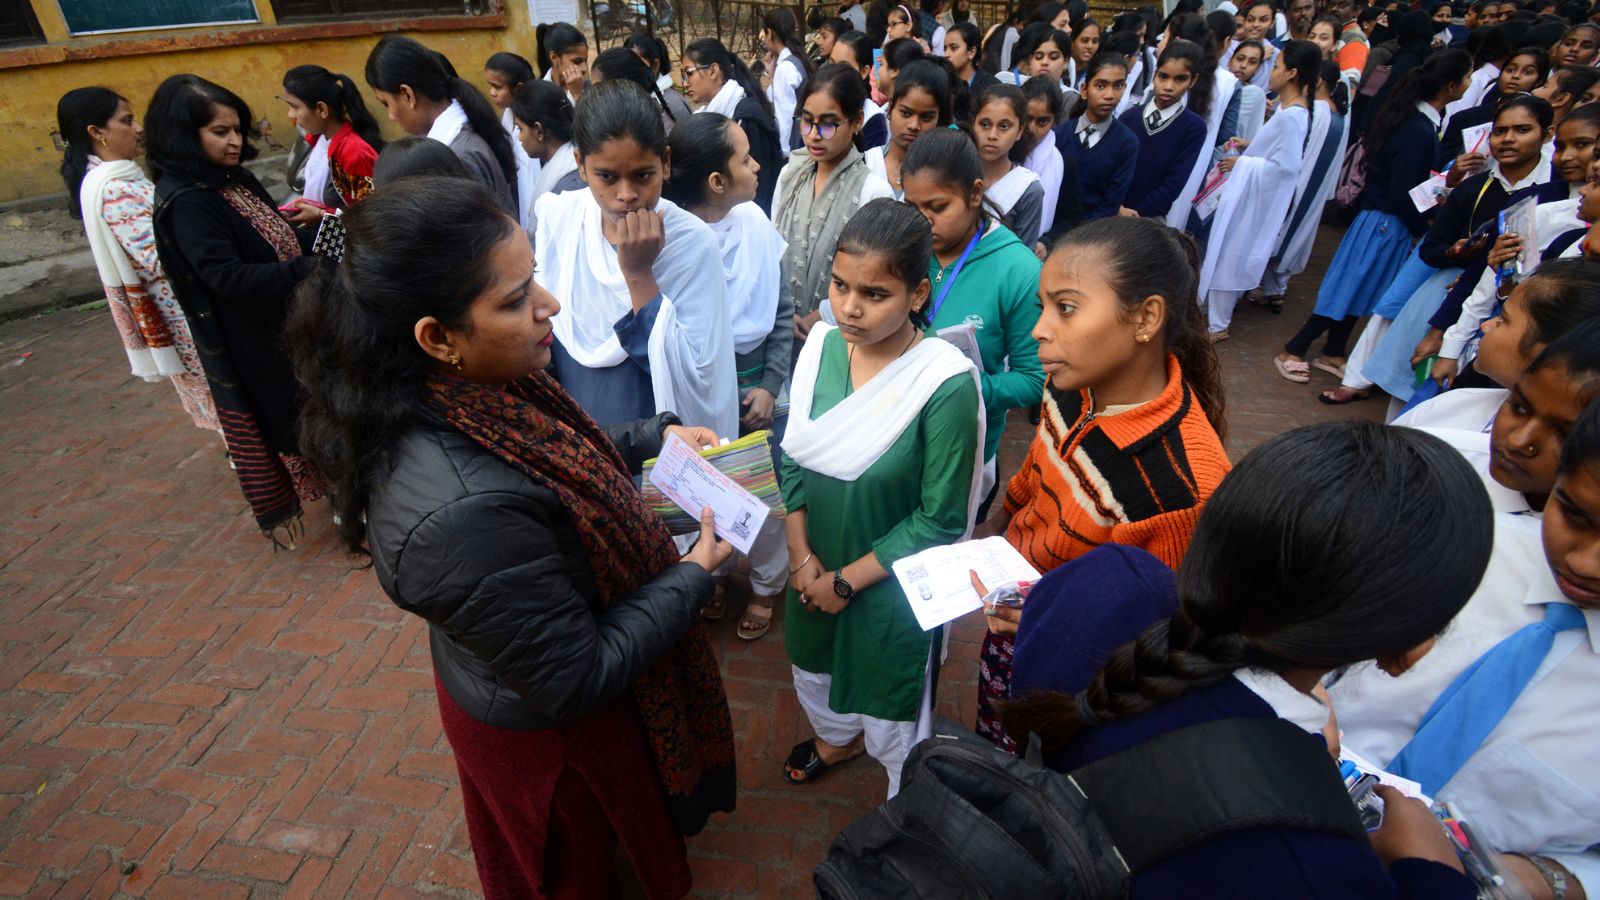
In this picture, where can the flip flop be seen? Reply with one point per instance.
(1341, 395)
(1294, 370)
(1217, 337)
(1330, 368)
(758, 611)
(806, 760)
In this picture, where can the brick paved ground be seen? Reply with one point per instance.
(184, 713)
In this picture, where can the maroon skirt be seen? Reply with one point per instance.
(547, 809)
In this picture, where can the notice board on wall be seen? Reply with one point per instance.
(99, 16)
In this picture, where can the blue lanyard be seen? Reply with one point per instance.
(950, 279)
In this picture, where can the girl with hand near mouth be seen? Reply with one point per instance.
(645, 326)
(882, 460)
(1133, 398)
(824, 183)
(1103, 149)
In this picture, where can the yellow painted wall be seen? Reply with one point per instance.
(28, 95)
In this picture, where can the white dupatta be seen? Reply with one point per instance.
(1221, 93)
(846, 440)
(125, 290)
(691, 343)
(1008, 190)
(752, 250)
(726, 100)
(1255, 201)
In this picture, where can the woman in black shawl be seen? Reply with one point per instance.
(234, 263)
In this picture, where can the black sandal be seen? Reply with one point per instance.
(1271, 304)
(806, 760)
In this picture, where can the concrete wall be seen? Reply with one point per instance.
(250, 60)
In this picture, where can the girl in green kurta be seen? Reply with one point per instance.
(981, 276)
(882, 460)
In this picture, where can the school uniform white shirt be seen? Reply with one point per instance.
(1088, 133)
(1464, 418)
(1287, 701)
(1433, 115)
(1532, 786)
(856, 16)
(787, 76)
(1163, 116)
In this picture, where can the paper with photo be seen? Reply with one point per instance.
(690, 481)
(938, 581)
(1476, 138)
(965, 339)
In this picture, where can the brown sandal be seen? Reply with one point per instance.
(718, 607)
(757, 618)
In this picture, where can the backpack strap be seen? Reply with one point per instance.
(1195, 783)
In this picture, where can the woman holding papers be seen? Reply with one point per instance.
(575, 682)
(984, 280)
(1128, 449)
(1227, 647)
(882, 460)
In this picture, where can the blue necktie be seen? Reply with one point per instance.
(1458, 722)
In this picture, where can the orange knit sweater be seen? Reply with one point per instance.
(1129, 475)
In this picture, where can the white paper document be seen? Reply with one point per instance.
(1476, 138)
(938, 581)
(693, 483)
(1366, 766)
(965, 339)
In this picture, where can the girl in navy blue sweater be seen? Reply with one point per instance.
(1113, 653)
(1170, 136)
(1104, 150)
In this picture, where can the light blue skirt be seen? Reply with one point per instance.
(1390, 364)
(1368, 258)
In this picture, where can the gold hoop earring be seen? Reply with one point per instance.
(454, 359)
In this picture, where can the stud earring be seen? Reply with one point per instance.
(454, 359)
(1142, 338)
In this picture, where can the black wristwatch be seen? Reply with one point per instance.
(842, 587)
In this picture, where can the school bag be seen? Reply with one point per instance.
(973, 822)
(1352, 176)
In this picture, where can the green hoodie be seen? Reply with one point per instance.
(997, 292)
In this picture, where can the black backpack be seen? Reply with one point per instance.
(972, 821)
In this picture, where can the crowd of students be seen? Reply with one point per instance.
(470, 339)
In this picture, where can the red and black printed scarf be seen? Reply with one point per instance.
(538, 428)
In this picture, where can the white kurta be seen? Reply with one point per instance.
(1255, 200)
(1252, 112)
(1296, 250)
(1303, 187)
(1221, 93)
(691, 343)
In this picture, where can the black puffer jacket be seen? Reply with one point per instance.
(492, 562)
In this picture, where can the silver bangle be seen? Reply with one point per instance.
(1554, 877)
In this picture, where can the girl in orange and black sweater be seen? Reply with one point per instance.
(1129, 446)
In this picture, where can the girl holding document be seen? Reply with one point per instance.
(881, 461)
(1129, 446)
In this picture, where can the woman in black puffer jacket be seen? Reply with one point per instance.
(575, 681)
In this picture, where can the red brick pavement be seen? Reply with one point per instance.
(184, 713)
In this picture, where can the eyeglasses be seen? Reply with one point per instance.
(825, 130)
(690, 70)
